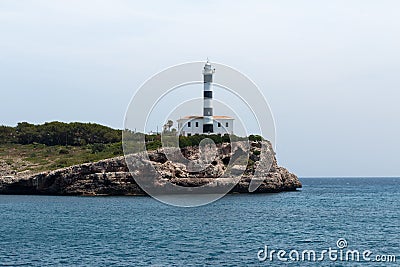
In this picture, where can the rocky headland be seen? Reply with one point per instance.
(113, 176)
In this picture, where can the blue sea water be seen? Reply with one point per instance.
(140, 231)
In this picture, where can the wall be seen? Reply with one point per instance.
(222, 129)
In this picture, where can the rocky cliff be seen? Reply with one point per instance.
(112, 176)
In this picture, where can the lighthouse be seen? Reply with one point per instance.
(208, 73)
(208, 123)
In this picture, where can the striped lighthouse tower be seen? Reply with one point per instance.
(208, 95)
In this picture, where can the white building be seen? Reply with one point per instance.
(191, 125)
(208, 123)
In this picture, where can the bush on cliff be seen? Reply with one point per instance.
(59, 133)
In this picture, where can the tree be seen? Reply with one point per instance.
(167, 126)
(60, 133)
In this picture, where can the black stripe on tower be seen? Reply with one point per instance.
(208, 94)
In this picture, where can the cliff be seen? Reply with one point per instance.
(112, 176)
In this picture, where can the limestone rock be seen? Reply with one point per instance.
(112, 176)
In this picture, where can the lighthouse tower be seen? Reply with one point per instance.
(208, 123)
(208, 73)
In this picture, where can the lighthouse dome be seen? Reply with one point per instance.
(207, 66)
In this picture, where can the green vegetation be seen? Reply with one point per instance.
(40, 157)
(254, 137)
(59, 133)
(257, 152)
(154, 141)
(56, 144)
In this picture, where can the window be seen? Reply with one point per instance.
(226, 124)
(189, 124)
(197, 124)
(219, 124)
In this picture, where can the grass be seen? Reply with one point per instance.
(39, 157)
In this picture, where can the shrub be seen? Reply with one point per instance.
(153, 145)
(63, 151)
(98, 147)
(254, 138)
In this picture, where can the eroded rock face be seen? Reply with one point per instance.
(112, 176)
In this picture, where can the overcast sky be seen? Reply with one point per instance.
(330, 69)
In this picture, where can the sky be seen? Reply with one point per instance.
(329, 69)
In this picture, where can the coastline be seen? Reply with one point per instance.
(111, 177)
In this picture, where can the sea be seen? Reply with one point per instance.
(329, 222)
